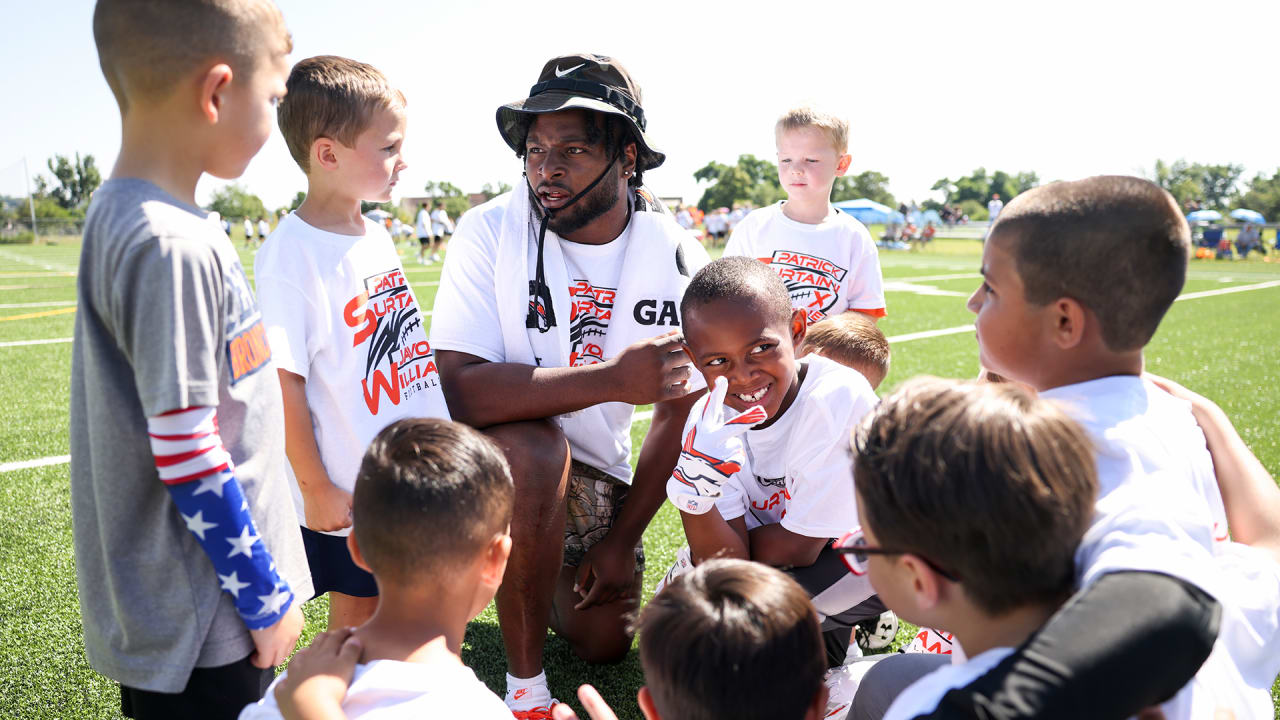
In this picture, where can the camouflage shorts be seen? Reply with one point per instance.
(594, 499)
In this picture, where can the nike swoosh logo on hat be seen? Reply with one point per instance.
(561, 73)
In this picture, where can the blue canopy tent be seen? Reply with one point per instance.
(867, 211)
(1204, 215)
(1248, 216)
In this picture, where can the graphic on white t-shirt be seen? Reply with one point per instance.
(813, 282)
(591, 309)
(398, 362)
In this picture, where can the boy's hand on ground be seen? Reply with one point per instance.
(596, 707)
(711, 453)
(653, 370)
(327, 507)
(318, 676)
(607, 573)
(273, 644)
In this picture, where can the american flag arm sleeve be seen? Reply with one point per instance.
(200, 477)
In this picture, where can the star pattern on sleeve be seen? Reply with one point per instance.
(242, 544)
(197, 525)
(231, 583)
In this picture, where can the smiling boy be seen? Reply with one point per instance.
(342, 321)
(826, 257)
(774, 482)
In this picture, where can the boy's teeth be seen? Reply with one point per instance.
(753, 397)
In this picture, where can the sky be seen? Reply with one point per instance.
(931, 89)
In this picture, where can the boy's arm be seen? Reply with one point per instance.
(711, 536)
(327, 506)
(197, 471)
(1250, 494)
(612, 560)
(1126, 642)
(318, 678)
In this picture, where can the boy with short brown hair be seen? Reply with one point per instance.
(344, 324)
(826, 257)
(189, 594)
(853, 340)
(433, 512)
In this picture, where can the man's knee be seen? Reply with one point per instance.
(536, 450)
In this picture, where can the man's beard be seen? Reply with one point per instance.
(602, 198)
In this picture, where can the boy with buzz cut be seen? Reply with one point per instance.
(343, 323)
(773, 482)
(189, 564)
(432, 516)
(1076, 278)
(853, 340)
(826, 257)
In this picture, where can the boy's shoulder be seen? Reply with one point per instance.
(394, 689)
(924, 695)
(129, 217)
(834, 388)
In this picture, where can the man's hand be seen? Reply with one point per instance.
(653, 370)
(327, 506)
(607, 572)
(596, 707)
(318, 677)
(712, 452)
(272, 644)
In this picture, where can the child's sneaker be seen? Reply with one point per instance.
(532, 701)
(877, 633)
(682, 565)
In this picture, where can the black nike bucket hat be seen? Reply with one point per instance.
(586, 81)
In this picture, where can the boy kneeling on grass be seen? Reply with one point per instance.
(432, 511)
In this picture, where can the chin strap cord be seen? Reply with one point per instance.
(542, 314)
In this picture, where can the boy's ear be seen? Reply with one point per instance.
(353, 547)
(925, 582)
(322, 154)
(843, 163)
(799, 328)
(645, 699)
(1071, 321)
(629, 159)
(213, 84)
(495, 564)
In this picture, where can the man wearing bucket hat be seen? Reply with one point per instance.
(557, 314)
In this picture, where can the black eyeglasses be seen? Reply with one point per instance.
(855, 551)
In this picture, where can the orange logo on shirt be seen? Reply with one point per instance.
(812, 282)
(248, 352)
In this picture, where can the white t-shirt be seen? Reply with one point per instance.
(248, 228)
(440, 222)
(829, 267)
(799, 470)
(264, 227)
(465, 318)
(340, 313)
(1237, 676)
(594, 272)
(994, 207)
(685, 219)
(394, 689)
(422, 223)
(716, 223)
(1144, 437)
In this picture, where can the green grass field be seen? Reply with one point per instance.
(1220, 344)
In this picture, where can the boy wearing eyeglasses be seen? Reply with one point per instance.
(995, 574)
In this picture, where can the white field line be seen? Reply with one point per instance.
(1228, 291)
(24, 343)
(648, 414)
(28, 464)
(926, 278)
(52, 303)
(49, 274)
(28, 261)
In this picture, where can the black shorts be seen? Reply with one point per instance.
(332, 569)
(216, 693)
(839, 596)
(424, 241)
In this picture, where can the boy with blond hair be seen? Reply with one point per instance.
(189, 565)
(433, 512)
(853, 340)
(826, 257)
(343, 323)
